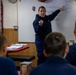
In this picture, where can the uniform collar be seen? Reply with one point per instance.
(55, 59)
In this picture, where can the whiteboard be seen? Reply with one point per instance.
(63, 23)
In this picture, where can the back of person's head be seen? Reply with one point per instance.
(3, 43)
(55, 44)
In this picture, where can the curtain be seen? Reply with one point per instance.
(1, 16)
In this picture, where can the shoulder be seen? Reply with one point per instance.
(37, 18)
(70, 67)
(9, 60)
(9, 66)
(37, 70)
(6, 61)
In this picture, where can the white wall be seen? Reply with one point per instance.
(63, 23)
(11, 18)
(10, 14)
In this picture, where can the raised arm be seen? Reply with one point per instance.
(54, 14)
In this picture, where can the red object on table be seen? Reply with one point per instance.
(18, 49)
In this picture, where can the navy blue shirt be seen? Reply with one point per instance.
(7, 67)
(42, 31)
(54, 66)
(71, 57)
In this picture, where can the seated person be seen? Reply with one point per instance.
(7, 66)
(71, 56)
(56, 50)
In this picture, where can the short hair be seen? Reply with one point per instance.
(2, 40)
(55, 44)
(41, 7)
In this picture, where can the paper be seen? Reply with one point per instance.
(26, 63)
(15, 46)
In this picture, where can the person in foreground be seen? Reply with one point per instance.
(71, 57)
(56, 50)
(7, 66)
(42, 27)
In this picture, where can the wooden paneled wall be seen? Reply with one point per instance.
(11, 35)
(12, 38)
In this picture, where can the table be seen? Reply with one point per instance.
(20, 57)
(18, 49)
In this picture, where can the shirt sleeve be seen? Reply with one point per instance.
(53, 15)
(37, 27)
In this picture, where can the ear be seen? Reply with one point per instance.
(4, 50)
(67, 49)
(45, 53)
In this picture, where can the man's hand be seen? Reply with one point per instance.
(62, 8)
(41, 22)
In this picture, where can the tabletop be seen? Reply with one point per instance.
(18, 49)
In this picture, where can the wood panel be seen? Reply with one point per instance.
(11, 35)
(12, 38)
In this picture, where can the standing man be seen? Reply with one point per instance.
(42, 27)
